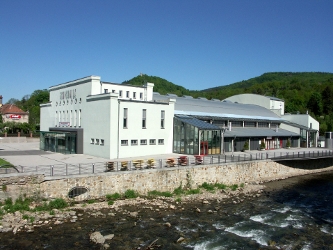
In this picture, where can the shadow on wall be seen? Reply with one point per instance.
(309, 164)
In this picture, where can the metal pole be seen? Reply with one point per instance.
(93, 168)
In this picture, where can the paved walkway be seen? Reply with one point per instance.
(27, 157)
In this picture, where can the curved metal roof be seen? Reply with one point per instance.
(202, 107)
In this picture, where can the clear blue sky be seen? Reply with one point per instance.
(194, 43)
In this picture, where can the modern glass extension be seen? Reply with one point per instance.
(60, 142)
(193, 136)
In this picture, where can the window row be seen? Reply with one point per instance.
(128, 94)
(97, 141)
(144, 118)
(142, 142)
(68, 118)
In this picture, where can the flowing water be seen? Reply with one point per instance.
(295, 213)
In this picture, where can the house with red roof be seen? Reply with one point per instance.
(12, 113)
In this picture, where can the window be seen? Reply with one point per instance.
(124, 142)
(80, 118)
(106, 91)
(162, 118)
(75, 117)
(144, 111)
(113, 91)
(134, 142)
(134, 95)
(56, 118)
(97, 142)
(152, 141)
(92, 140)
(120, 93)
(160, 141)
(71, 118)
(125, 118)
(141, 96)
(143, 142)
(127, 94)
(102, 142)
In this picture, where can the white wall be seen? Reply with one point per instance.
(153, 130)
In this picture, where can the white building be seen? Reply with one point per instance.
(107, 120)
(116, 121)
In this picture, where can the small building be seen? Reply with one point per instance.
(12, 113)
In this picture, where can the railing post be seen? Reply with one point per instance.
(79, 168)
(211, 160)
(93, 168)
(66, 169)
(218, 159)
(266, 156)
(250, 157)
(225, 158)
(51, 170)
(160, 160)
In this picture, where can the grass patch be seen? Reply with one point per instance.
(178, 191)
(193, 191)
(114, 196)
(155, 193)
(220, 186)
(52, 212)
(19, 205)
(91, 201)
(178, 199)
(4, 188)
(130, 194)
(110, 202)
(208, 187)
(233, 187)
(242, 185)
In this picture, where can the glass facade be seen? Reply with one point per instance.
(60, 142)
(188, 139)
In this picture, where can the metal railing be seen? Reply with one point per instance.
(182, 161)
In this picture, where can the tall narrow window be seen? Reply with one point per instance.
(80, 118)
(71, 118)
(134, 95)
(75, 117)
(125, 118)
(120, 93)
(127, 94)
(141, 96)
(56, 118)
(162, 118)
(144, 111)
(63, 116)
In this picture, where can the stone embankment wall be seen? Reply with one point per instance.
(167, 179)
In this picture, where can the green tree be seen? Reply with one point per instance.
(315, 103)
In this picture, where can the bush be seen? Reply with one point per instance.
(262, 145)
(220, 186)
(193, 191)
(110, 202)
(246, 145)
(130, 194)
(208, 187)
(234, 187)
(288, 143)
(58, 204)
(114, 196)
(158, 193)
(178, 191)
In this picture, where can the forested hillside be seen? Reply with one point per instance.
(302, 92)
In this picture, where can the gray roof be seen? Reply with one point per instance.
(197, 123)
(258, 132)
(216, 108)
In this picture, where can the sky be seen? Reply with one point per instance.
(193, 43)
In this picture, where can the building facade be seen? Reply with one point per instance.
(106, 119)
(113, 121)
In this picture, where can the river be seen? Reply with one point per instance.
(294, 213)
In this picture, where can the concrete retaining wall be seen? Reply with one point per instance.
(162, 180)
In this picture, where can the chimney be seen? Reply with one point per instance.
(0, 100)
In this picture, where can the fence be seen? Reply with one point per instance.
(139, 165)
